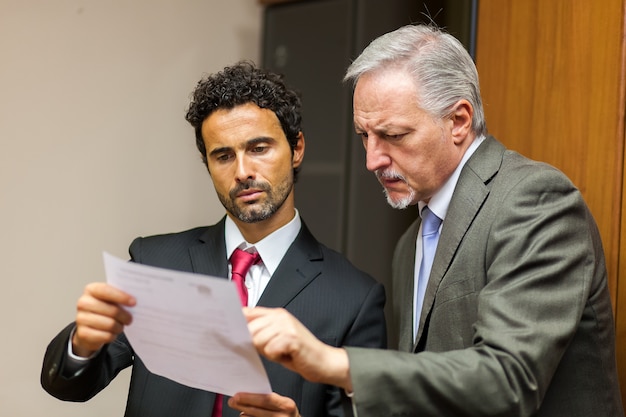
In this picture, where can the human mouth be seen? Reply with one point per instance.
(390, 180)
(249, 195)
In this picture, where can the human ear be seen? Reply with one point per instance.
(461, 117)
(298, 151)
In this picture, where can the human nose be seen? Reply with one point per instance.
(244, 169)
(376, 156)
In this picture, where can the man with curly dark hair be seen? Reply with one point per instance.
(247, 128)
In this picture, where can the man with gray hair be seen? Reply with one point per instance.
(499, 287)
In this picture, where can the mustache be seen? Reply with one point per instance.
(389, 175)
(242, 186)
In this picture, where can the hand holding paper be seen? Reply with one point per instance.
(100, 317)
(189, 328)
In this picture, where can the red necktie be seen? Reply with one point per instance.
(241, 262)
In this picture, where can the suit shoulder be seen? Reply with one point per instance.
(339, 264)
(189, 235)
(168, 245)
(498, 166)
(528, 170)
(185, 236)
(332, 263)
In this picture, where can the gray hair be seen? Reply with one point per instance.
(443, 70)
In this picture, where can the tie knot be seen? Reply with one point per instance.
(430, 222)
(241, 261)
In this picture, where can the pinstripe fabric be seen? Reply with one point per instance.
(338, 303)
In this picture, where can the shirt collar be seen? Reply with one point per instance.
(440, 201)
(272, 247)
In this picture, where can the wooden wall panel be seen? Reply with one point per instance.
(552, 80)
(621, 282)
(549, 79)
(621, 293)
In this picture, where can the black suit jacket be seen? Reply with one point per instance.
(338, 303)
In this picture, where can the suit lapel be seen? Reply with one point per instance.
(469, 195)
(209, 255)
(403, 294)
(297, 269)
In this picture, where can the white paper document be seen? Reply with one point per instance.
(189, 328)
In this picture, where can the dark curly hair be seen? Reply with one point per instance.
(239, 84)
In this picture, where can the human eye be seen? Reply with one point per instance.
(259, 149)
(223, 156)
(394, 136)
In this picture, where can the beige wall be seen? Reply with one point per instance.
(95, 151)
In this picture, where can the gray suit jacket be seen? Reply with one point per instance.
(338, 303)
(517, 317)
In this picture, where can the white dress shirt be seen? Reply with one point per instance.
(271, 248)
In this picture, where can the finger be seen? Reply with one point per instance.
(249, 400)
(92, 332)
(263, 404)
(99, 322)
(275, 319)
(109, 294)
(253, 313)
(267, 338)
(274, 334)
(91, 339)
(87, 304)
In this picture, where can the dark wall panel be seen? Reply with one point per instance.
(312, 43)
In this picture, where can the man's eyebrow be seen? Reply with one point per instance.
(260, 139)
(249, 142)
(220, 150)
